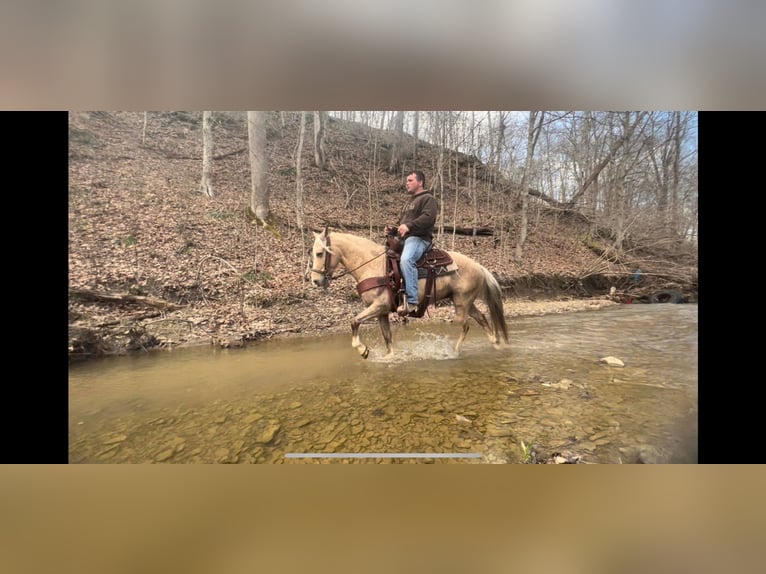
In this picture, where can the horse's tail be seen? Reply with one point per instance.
(493, 297)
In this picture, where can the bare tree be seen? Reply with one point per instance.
(626, 135)
(437, 128)
(256, 134)
(396, 150)
(500, 144)
(299, 174)
(471, 175)
(533, 133)
(371, 178)
(207, 155)
(320, 128)
(617, 196)
(666, 164)
(415, 134)
(586, 138)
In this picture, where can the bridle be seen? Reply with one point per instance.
(325, 272)
(328, 274)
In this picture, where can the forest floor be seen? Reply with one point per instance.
(154, 264)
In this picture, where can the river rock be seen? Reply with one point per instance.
(113, 438)
(268, 434)
(462, 443)
(494, 431)
(643, 454)
(164, 455)
(108, 452)
(566, 457)
(563, 384)
(252, 417)
(404, 419)
(222, 455)
(612, 361)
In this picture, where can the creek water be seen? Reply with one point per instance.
(547, 397)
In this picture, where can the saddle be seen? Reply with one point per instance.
(433, 263)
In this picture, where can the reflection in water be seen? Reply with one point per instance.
(315, 395)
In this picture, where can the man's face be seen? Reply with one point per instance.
(412, 183)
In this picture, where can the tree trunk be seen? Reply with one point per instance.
(533, 133)
(207, 155)
(256, 135)
(498, 151)
(320, 123)
(440, 174)
(626, 164)
(298, 173)
(676, 170)
(396, 151)
(415, 130)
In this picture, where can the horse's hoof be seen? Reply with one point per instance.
(366, 353)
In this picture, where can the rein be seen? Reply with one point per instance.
(347, 271)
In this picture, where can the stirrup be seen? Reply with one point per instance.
(405, 309)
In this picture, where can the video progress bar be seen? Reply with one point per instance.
(382, 455)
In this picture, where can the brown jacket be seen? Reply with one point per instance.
(420, 215)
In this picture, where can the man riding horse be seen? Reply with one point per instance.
(416, 226)
(375, 273)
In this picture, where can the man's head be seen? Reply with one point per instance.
(416, 181)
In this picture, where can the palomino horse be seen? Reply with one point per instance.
(366, 260)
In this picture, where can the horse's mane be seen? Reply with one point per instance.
(363, 241)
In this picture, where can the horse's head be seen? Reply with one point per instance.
(321, 266)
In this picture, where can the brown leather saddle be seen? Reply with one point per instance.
(433, 263)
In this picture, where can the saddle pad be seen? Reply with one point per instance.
(436, 259)
(440, 270)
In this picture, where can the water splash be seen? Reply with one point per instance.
(424, 346)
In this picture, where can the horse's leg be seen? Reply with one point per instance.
(461, 317)
(374, 310)
(385, 329)
(481, 319)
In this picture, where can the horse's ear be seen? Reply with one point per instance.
(326, 231)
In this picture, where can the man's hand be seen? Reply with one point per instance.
(403, 230)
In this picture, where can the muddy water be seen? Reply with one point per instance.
(305, 401)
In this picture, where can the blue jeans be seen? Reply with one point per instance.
(414, 247)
